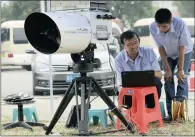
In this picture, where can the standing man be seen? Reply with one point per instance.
(173, 39)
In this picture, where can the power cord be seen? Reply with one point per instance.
(112, 69)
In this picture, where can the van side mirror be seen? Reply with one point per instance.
(30, 52)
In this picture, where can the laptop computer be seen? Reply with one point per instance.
(137, 78)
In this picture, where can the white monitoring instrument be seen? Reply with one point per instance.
(70, 27)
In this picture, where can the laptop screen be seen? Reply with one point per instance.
(137, 78)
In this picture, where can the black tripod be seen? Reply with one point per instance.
(84, 82)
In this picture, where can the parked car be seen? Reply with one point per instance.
(60, 63)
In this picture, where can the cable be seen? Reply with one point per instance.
(112, 69)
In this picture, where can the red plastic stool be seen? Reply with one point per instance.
(192, 85)
(138, 113)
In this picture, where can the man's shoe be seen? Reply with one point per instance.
(168, 118)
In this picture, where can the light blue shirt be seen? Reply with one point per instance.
(178, 35)
(146, 60)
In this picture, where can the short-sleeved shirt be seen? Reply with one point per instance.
(178, 35)
(146, 60)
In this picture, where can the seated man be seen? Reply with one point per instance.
(136, 58)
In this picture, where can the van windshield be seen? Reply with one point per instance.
(19, 36)
(191, 28)
(142, 30)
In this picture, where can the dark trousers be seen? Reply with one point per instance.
(127, 100)
(182, 88)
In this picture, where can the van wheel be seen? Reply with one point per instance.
(27, 67)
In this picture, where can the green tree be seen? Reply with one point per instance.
(186, 8)
(19, 10)
(5, 13)
(130, 11)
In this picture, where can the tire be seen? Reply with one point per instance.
(27, 67)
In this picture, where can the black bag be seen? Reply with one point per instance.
(72, 117)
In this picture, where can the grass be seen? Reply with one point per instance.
(174, 128)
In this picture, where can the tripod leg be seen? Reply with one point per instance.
(111, 105)
(64, 103)
(35, 124)
(11, 125)
(83, 123)
(25, 125)
(88, 101)
(8, 123)
(77, 105)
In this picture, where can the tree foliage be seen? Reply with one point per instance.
(19, 10)
(127, 11)
(186, 8)
(130, 11)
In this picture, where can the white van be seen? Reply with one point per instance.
(142, 28)
(14, 44)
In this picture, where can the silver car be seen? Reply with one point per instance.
(60, 69)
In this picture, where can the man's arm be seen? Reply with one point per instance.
(183, 41)
(119, 69)
(164, 58)
(181, 58)
(155, 65)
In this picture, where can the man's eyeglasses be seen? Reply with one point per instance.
(131, 44)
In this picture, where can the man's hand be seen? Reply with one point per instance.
(181, 76)
(168, 75)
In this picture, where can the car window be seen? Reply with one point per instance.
(19, 36)
(142, 30)
(5, 34)
(191, 28)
